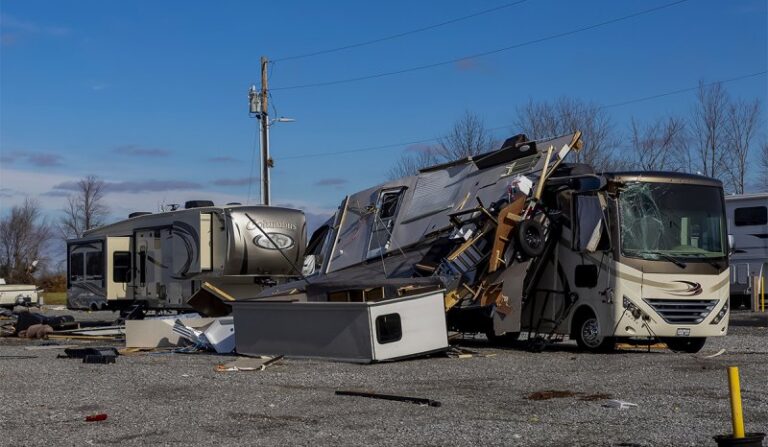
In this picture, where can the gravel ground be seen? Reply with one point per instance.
(166, 399)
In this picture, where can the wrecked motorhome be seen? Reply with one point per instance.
(522, 241)
(158, 261)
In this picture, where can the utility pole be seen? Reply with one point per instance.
(258, 108)
(266, 162)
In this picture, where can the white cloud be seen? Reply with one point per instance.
(18, 184)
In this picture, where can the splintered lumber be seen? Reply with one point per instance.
(504, 231)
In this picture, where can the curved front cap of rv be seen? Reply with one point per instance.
(671, 304)
(266, 241)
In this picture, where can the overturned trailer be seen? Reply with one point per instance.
(524, 242)
(158, 261)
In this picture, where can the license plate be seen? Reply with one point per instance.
(683, 332)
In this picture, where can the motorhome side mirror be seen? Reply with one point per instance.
(731, 241)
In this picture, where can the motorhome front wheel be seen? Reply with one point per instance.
(590, 336)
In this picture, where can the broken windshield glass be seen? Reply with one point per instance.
(660, 220)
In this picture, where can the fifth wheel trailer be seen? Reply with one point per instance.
(158, 261)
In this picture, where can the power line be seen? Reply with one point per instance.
(486, 53)
(506, 126)
(398, 35)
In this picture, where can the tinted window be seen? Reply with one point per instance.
(388, 328)
(121, 266)
(76, 267)
(94, 267)
(753, 215)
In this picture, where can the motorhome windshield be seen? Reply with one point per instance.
(663, 221)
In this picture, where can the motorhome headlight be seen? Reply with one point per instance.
(720, 314)
(631, 307)
(273, 241)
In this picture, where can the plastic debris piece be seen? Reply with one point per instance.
(620, 404)
(96, 417)
(248, 364)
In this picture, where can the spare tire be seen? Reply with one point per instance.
(530, 238)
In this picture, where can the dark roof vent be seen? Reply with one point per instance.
(197, 203)
(138, 213)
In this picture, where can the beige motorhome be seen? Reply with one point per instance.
(646, 255)
(160, 260)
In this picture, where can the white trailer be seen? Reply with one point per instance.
(159, 260)
(748, 228)
(12, 295)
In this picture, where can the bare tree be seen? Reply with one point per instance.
(661, 145)
(85, 209)
(709, 121)
(23, 235)
(763, 166)
(468, 137)
(565, 115)
(409, 163)
(741, 126)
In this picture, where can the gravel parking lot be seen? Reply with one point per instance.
(167, 399)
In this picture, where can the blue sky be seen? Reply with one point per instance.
(152, 96)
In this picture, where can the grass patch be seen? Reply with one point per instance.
(55, 298)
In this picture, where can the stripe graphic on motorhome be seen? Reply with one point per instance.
(187, 234)
(692, 289)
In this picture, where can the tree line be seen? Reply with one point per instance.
(718, 138)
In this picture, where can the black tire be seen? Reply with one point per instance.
(530, 238)
(690, 345)
(589, 335)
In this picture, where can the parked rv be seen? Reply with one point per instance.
(524, 242)
(748, 228)
(158, 261)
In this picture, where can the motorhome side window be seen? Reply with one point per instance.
(76, 264)
(753, 215)
(591, 232)
(94, 266)
(121, 266)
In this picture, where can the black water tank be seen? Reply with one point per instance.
(197, 203)
(138, 213)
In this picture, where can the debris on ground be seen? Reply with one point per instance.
(217, 336)
(464, 353)
(409, 399)
(96, 417)
(619, 404)
(102, 355)
(36, 331)
(248, 364)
